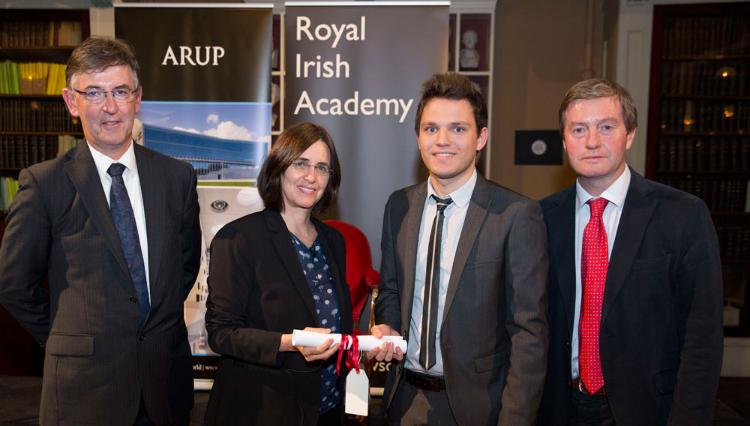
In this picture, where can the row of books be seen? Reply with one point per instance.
(706, 78)
(8, 189)
(17, 152)
(36, 115)
(725, 195)
(705, 36)
(20, 34)
(714, 154)
(734, 242)
(36, 78)
(679, 115)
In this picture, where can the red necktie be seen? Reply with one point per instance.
(594, 259)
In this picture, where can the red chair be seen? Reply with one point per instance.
(360, 275)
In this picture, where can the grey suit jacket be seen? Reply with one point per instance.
(98, 362)
(494, 330)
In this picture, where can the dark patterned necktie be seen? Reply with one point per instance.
(427, 356)
(594, 264)
(124, 220)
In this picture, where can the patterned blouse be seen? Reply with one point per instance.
(319, 279)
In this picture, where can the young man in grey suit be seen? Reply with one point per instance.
(635, 282)
(463, 279)
(114, 228)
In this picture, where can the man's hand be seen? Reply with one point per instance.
(387, 351)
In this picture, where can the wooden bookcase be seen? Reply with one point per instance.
(29, 128)
(31, 122)
(471, 45)
(699, 128)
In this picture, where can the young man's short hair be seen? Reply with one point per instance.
(455, 87)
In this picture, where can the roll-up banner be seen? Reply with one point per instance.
(356, 68)
(205, 70)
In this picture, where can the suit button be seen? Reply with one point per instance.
(133, 299)
(567, 344)
(141, 337)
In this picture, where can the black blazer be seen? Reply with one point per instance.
(661, 332)
(257, 291)
(98, 362)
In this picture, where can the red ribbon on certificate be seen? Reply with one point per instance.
(352, 354)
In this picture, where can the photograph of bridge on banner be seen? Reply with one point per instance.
(226, 142)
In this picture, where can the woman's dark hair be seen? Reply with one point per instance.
(290, 145)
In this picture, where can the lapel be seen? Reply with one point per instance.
(561, 227)
(83, 174)
(282, 243)
(154, 193)
(408, 240)
(342, 291)
(475, 216)
(638, 209)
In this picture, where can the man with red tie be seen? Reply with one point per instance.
(635, 290)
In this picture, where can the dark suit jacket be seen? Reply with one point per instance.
(257, 291)
(661, 330)
(494, 330)
(98, 362)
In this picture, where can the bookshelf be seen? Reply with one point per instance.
(34, 126)
(470, 53)
(34, 123)
(699, 128)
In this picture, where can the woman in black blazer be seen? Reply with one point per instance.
(274, 271)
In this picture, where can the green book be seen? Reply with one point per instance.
(4, 78)
(15, 77)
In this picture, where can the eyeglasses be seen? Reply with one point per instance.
(303, 166)
(97, 96)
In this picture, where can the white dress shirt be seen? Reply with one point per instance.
(615, 194)
(453, 223)
(133, 186)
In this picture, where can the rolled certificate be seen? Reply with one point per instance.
(366, 343)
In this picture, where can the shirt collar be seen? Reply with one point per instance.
(462, 195)
(615, 194)
(103, 162)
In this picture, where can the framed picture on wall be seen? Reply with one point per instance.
(538, 148)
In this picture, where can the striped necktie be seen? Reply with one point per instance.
(427, 356)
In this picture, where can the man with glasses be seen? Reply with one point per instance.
(114, 228)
